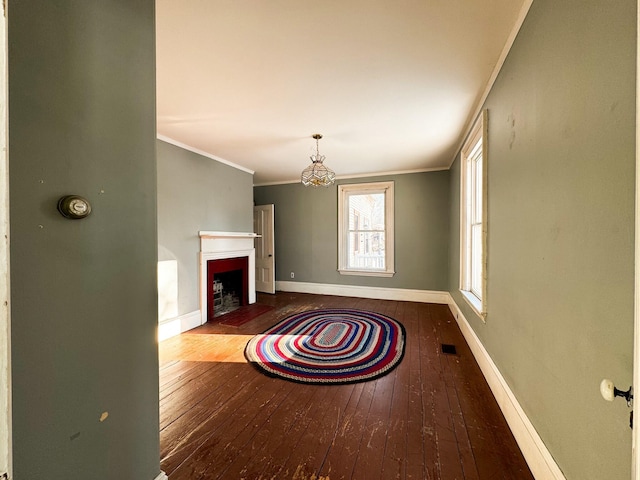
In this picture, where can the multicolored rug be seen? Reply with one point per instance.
(329, 346)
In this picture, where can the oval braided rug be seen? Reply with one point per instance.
(329, 346)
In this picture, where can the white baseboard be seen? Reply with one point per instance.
(424, 296)
(176, 326)
(535, 452)
(161, 476)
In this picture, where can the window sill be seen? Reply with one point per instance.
(367, 273)
(475, 303)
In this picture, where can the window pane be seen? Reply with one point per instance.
(366, 212)
(477, 191)
(366, 250)
(476, 260)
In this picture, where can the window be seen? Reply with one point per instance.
(473, 225)
(365, 229)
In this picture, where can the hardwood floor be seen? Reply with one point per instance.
(433, 417)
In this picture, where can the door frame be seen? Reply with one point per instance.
(635, 441)
(5, 306)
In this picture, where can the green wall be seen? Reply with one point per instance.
(197, 193)
(83, 292)
(306, 232)
(561, 159)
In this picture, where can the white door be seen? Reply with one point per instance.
(265, 252)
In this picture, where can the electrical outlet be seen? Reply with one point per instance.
(293, 275)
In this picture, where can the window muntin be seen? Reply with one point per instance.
(366, 229)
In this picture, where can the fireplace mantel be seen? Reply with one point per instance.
(225, 241)
(208, 234)
(219, 245)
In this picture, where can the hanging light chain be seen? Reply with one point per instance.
(317, 158)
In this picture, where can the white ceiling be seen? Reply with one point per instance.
(391, 84)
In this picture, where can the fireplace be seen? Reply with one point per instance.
(227, 285)
(226, 257)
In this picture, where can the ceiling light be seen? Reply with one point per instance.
(317, 174)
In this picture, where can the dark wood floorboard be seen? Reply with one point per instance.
(433, 417)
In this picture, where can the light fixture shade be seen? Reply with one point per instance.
(317, 174)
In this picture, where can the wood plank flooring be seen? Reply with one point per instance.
(433, 417)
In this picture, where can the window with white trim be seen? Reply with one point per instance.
(365, 229)
(473, 225)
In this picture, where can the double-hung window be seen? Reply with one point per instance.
(365, 229)
(473, 228)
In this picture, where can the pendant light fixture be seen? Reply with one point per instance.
(317, 174)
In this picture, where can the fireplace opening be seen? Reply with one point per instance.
(227, 292)
(227, 285)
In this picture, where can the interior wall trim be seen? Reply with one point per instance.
(384, 174)
(535, 452)
(184, 146)
(524, 10)
(161, 476)
(424, 296)
(180, 324)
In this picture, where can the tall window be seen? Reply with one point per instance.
(473, 217)
(365, 229)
